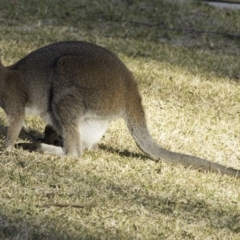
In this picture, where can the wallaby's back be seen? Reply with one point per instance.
(99, 72)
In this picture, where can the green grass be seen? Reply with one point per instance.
(190, 87)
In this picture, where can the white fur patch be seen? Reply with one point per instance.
(91, 131)
(32, 111)
(50, 149)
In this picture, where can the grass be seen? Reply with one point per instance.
(189, 80)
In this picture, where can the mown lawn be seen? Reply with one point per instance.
(186, 59)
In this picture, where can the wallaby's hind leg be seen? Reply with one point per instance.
(67, 124)
(72, 144)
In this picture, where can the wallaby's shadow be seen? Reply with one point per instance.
(123, 153)
(34, 146)
(32, 138)
(35, 138)
(31, 135)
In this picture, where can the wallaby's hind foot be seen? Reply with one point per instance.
(41, 148)
(50, 149)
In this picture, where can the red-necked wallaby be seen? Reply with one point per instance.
(77, 88)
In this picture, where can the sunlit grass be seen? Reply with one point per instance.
(190, 88)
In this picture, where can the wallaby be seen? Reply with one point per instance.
(77, 88)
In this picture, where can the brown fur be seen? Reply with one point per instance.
(77, 88)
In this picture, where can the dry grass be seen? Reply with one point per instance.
(190, 86)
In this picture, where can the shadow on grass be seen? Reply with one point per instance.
(14, 225)
(123, 153)
(12, 228)
(191, 210)
(184, 209)
(26, 226)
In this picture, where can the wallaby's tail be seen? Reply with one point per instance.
(143, 139)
